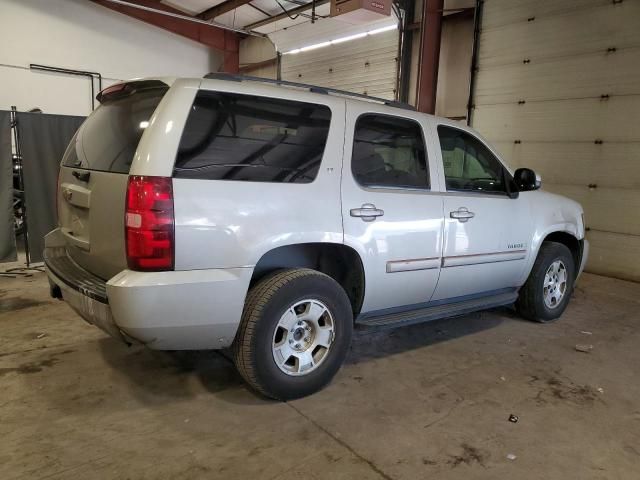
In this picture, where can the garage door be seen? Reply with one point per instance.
(366, 65)
(558, 90)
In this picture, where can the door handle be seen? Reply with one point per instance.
(462, 214)
(368, 212)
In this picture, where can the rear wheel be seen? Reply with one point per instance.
(294, 335)
(545, 295)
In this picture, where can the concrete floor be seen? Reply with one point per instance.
(431, 400)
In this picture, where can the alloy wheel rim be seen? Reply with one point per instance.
(555, 284)
(303, 337)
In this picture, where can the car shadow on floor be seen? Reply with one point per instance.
(156, 376)
(166, 376)
(370, 343)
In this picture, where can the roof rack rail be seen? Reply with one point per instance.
(312, 88)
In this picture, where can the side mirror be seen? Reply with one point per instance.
(526, 179)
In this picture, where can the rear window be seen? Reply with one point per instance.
(110, 136)
(229, 136)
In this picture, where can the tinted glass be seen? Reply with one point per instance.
(257, 139)
(389, 152)
(110, 136)
(468, 164)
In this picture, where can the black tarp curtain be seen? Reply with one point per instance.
(7, 238)
(43, 140)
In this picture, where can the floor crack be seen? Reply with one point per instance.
(344, 444)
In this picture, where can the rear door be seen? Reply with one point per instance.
(94, 175)
(391, 215)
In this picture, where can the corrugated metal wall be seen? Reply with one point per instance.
(558, 90)
(366, 65)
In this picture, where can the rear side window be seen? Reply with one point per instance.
(389, 152)
(229, 136)
(111, 134)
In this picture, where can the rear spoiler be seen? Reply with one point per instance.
(125, 89)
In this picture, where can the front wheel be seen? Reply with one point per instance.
(294, 334)
(545, 295)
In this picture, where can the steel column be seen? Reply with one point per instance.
(431, 29)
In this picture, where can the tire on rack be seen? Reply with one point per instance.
(294, 333)
(545, 295)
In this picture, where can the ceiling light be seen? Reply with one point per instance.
(383, 29)
(342, 39)
(313, 47)
(349, 38)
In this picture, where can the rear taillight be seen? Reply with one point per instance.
(149, 223)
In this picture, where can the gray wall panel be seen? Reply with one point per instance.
(7, 237)
(43, 140)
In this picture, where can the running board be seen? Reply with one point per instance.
(436, 312)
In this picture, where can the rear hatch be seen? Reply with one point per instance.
(94, 175)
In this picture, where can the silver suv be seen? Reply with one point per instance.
(273, 218)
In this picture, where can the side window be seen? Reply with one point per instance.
(468, 164)
(389, 152)
(229, 136)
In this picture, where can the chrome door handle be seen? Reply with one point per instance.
(368, 212)
(462, 214)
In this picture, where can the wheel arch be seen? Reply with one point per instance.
(566, 234)
(570, 241)
(339, 261)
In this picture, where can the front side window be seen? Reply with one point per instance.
(389, 152)
(229, 136)
(468, 163)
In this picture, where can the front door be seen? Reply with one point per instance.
(391, 215)
(486, 231)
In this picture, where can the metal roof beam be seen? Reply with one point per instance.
(162, 16)
(222, 8)
(283, 15)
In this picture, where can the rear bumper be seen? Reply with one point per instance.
(183, 310)
(93, 311)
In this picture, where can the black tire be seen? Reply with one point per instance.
(530, 303)
(266, 302)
